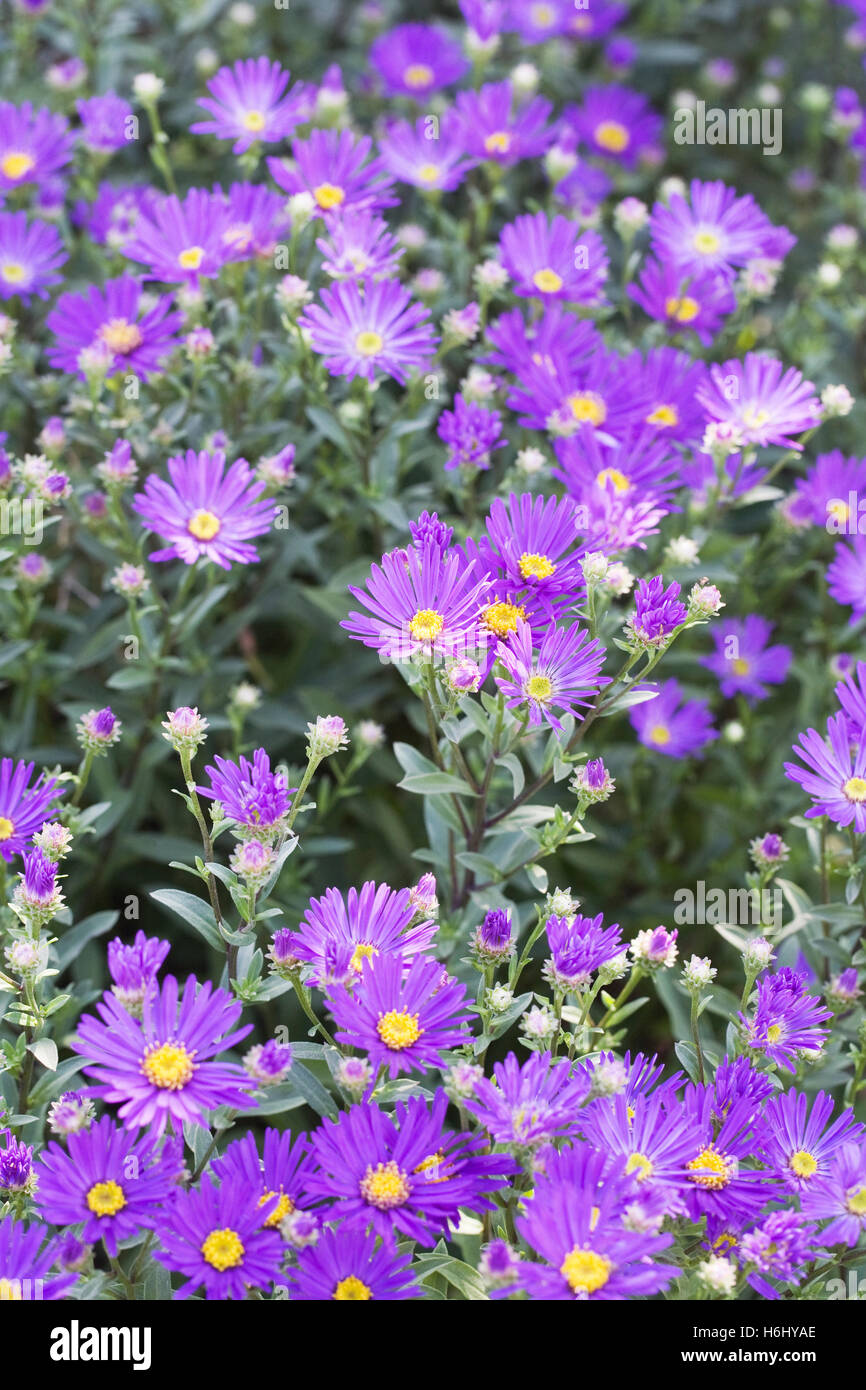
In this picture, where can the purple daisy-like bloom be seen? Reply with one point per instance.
(495, 127)
(616, 123)
(574, 1221)
(840, 1197)
(423, 602)
(846, 576)
(715, 230)
(215, 1237)
(780, 1247)
(742, 660)
(256, 219)
(786, 1023)
(672, 725)
(533, 543)
(623, 489)
(38, 884)
(682, 300)
(346, 1266)
(377, 921)
(415, 60)
(26, 1265)
(34, 144)
(160, 1067)
(113, 320)
(359, 246)
(717, 1185)
(739, 1080)
(113, 216)
(471, 432)
(658, 612)
(550, 258)
(335, 168)
(654, 1140)
(798, 1142)
(606, 394)
(23, 809)
(110, 1180)
(105, 122)
(592, 22)
(403, 1020)
(248, 104)
(281, 1172)
(30, 253)
(631, 1077)
(671, 378)
(403, 1173)
(417, 156)
(207, 512)
(824, 496)
(578, 946)
(486, 18)
(181, 241)
(834, 775)
(134, 968)
(536, 21)
(531, 1105)
(564, 672)
(762, 401)
(372, 327)
(16, 1164)
(851, 694)
(555, 340)
(250, 794)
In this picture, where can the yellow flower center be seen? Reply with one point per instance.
(588, 408)
(725, 1242)
(362, 952)
(120, 335)
(683, 310)
(253, 121)
(106, 1198)
(754, 417)
(547, 281)
(385, 1186)
(612, 135)
(855, 1201)
(542, 16)
(13, 272)
(641, 1165)
(369, 343)
(538, 688)
(429, 173)
(774, 1032)
(430, 1167)
(223, 1249)
(533, 566)
(7, 828)
(418, 75)
(710, 1169)
(285, 1206)
(804, 1164)
(499, 142)
(838, 509)
(585, 1271)
(10, 1291)
(426, 625)
(203, 525)
(855, 789)
(663, 415)
(352, 1290)
(16, 164)
(613, 475)
(329, 195)
(740, 666)
(191, 258)
(660, 734)
(502, 618)
(169, 1066)
(398, 1029)
(707, 243)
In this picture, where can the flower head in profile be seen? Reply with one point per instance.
(248, 103)
(578, 947)
(249, 793)
(658, 613)
(351, 1267)
(786, 1023)
(215, 1237)
(672, 725)
(528, 1106)
(471, 433)
(415, 60)
(562, 674)
(24, 809)
(134, 969)
(207, 512)
(369, 328)
(781, 1248)
(105, 122)
(372, 922)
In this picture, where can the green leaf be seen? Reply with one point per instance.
(313, 1092)
(45, 1051)
(197, 913)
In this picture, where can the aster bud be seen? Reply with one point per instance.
(718, 1274)
(268, 1063)
(698, 973)
(464, 677)
(757, 955)
(184, 728)
(837, 401)
(326, 737)
(655, 949)
(354, 1075)
(704, 601)
(54, 840)
(71, 1113)
(98, 730)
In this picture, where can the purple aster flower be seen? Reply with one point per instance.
(717, 1184)
(134, 968)
(113, 319)
(402, 1020)
(347, 1266)
(840, 1196)
(846, 576)
(415, 60)
(206, 511)
(256, 219)
(658, 612)
(834, 776)
(715, 230)
(471, 432)
(110, 1180)
(785, 1025)
(578, 946)
(26, 1265)
(655, 1141)
(112, 217)
(377, 921)
(335, 168)
(556, 340)
(739, 1080)
(486, 18)
(532, 542)
(248, 104)
(528, 1106)
(496, 128)
(268, 1063)
(105, 122)
(798, 1142)
(493, 940)
(160, 1067)
(369, 328)
(607, 394)
(181, 241)
(422, 602)
(249, 793)
(671, 378)
(427, 156)
(30, 253)
(551, 259)
(697, 301)
(429, 530)
(742, 660)
(536, 21)
(672, 725)
(622, 489)
(631, 1077)
(34, 144)
(215, 1237)
(38, 887)
(780, 1247)
(563, 673)
(616, 123)
(23, 809)
(16, 1164)
(359, 246)
(574, 1221)
(765, 403)
(402, 1173)
(829, 494)
(594, 20)
(281, 1172)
